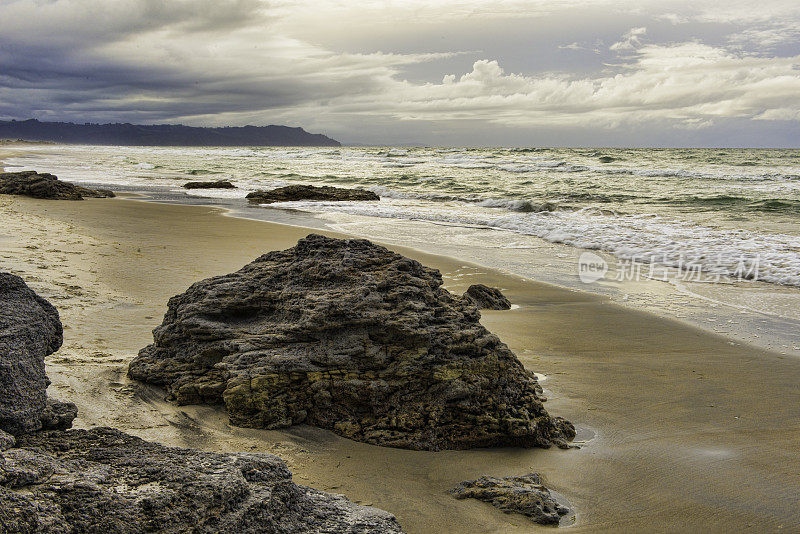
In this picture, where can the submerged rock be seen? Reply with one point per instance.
(47, 186)
(349, 336)
(29, 331)
(487, 298)
(217, 184)
(103, 480)
(520, 495)
(310, 192)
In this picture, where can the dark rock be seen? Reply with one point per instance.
(349, 336)
(103, 480)
(6, 441)
(58, 415)
(310, 192)
(33, 184)
(487, 298)
(606, 159)
(217, 184)
(520, 495)
(29, 331)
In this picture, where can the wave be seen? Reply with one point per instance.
(603, 198)
(521, 205)
(734, 202)
(557, 166)
(653, 239)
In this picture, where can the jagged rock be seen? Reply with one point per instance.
(58, 415)
(29, 331)
(310, 192)
(349, 336)
(487, 298)
(217, 184)
(44, 185)
(520, 495)
(103, 480)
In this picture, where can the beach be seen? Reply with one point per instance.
(679, 429)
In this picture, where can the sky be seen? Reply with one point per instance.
(449, 73)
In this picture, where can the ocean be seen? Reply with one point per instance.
(721, 227)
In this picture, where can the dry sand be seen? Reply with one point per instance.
(682, 430)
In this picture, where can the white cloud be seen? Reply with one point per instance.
(631, 40)
(687, 84)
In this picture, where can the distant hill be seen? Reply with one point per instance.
(160, 134)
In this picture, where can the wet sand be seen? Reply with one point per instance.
(682, 430)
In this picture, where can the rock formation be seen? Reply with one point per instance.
(349, 336)
(487, 298)
(520, 495)
(44, 185)
(310, 192)
(102, 480)
(216, 184)
(29, 331)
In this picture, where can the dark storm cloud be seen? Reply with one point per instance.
(453, 72)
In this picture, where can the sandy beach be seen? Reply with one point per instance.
(680, 430)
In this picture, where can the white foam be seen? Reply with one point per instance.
(643, 238)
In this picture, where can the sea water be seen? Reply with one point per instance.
(720, 226)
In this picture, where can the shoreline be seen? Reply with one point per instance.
(675, 422)
(764, 315)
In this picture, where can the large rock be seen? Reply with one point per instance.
(487, 298)
(346, 335)
(520, 495)
(102, 480)
(310, 192)
(29, 331)
(44, 185)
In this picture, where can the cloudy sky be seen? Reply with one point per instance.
(535, 72)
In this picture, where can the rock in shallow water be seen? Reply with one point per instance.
(216, 184)
(487, 298)
(29, 331)
(103, 480)
(310, 192)
(44, 185)
(349, 336)
(521, 495)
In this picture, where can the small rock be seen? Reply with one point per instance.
(218, 184)
(520, 495)
(487, 298)
(47, 186)
(310, 192)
